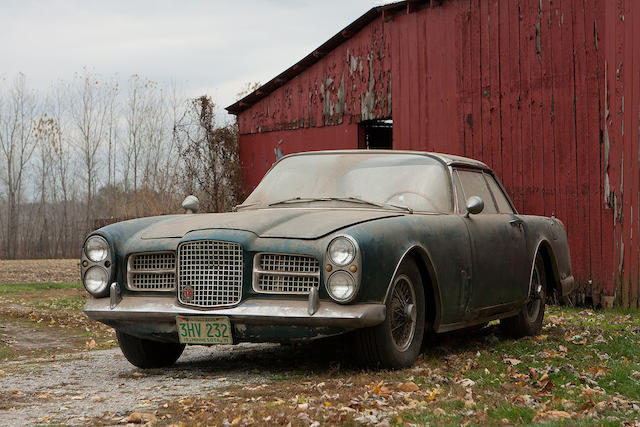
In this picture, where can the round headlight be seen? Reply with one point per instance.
(96, 248)
(96, 280)
(341, 251)
(341, 286)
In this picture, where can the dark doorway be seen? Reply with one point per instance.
(375, 135)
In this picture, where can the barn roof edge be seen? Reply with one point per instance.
(315, 56)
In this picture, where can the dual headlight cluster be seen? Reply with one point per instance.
(96, 265)
(343, 269)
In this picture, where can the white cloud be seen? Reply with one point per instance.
(209, 45)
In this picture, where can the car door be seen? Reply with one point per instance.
(499, 264)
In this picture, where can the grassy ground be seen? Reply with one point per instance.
(583, 369)
(46, 319)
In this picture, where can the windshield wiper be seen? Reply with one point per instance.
(236, 207)
(368, 202)
(300, 200)
(341, 199)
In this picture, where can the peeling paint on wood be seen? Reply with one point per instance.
(546, 92)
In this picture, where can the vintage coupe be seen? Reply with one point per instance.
(388, 245)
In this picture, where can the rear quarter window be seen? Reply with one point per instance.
(503, 203)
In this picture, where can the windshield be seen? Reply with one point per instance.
(415, 182)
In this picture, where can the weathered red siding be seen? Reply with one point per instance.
(258, 151)
(545, 92)
(621, 149)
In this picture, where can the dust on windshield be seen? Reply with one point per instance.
(415, 182)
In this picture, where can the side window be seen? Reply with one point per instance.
(473, 184)
(498, 194)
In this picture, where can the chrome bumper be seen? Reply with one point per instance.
(162, 309)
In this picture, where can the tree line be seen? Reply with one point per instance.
(91, 151)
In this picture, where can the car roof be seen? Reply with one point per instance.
(447, 159)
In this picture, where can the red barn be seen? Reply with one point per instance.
(547, 92)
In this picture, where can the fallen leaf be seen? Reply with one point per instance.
(466, 382)
(554, 319)
(511, 361)
(552, 415)
(141, 418)
(408, 387)
(545, 384)
(90, 345)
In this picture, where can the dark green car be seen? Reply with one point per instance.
(387, 244)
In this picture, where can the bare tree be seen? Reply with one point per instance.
(46, 133)
(210, 156)
(17, 142)
(90, 113)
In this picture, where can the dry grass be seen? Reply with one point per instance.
(39, 271)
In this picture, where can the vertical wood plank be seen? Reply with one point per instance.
(515, 102)
(465, 74)
(635, 154)
(627, 193)
(548, 137)
(582, 141)
(477, 78)
(493, 28)
(505, 97)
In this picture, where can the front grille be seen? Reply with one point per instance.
(285, 273)
(209, 273)
(154, 271)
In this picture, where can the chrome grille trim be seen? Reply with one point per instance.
(209, 273)
(151, 271)
(291, 274)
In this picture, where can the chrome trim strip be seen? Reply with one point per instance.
(151, 310)
(395, 270)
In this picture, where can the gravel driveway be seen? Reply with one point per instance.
(73, 389)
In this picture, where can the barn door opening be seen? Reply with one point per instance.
(375, 135)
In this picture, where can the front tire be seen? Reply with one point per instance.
(529, 321)
(147, 354)
(396, 342)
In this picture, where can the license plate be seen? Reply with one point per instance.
(204, 330)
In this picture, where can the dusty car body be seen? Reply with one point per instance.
(388, 244)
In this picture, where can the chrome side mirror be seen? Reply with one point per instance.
(475, 205)
(191, 204)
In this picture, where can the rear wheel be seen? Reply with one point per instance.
(529, 320)
(148, 354)
(395, 343)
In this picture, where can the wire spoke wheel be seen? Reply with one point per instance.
(395, 343)
(529, 321)
(403, 312)
(536, 295)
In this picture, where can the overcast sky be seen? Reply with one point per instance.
(212, 47)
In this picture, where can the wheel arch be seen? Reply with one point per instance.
(429, 283)
(552, 274)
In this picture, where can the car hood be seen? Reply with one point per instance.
(282, 223)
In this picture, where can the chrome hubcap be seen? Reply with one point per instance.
(403, 313)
